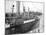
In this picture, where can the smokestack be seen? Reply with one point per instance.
(18, 7)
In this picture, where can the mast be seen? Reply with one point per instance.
(12, 10)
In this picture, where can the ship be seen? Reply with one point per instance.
(20, 23)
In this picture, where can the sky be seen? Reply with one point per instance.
(36, 7)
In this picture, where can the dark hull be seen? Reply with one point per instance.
(23, 28)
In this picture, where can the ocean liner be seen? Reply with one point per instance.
(17, 23)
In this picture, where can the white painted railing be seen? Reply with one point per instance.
(27, 21)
